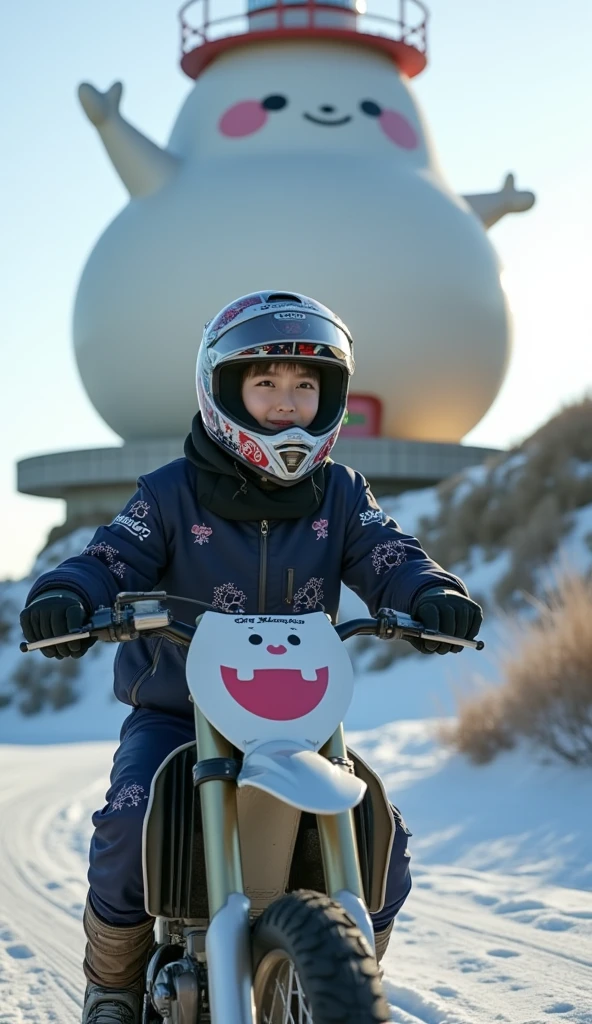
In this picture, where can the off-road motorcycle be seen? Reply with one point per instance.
(265, 845)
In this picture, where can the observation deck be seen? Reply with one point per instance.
(212, 27)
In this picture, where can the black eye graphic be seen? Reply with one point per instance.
(294, 640)
(274, 102)
(255, 639)
(371, 108)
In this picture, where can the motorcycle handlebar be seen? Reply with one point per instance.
(357, 627)
(388, 625)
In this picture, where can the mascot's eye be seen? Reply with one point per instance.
(371, 108)
(274, 102)
(294, 640)
(255, 639)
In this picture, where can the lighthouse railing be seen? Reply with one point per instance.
(210, 20)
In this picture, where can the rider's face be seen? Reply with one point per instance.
(282, 395)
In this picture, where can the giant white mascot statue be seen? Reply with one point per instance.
(300, 160)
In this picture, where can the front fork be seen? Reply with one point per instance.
(228, 945)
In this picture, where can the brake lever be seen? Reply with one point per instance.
(400, 626)
(38, 645)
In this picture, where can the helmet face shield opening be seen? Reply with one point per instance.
(227, 382)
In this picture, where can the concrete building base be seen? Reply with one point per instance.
(96, 483)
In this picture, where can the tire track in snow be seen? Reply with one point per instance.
(517, 934)
(454, 964)
(42, 878)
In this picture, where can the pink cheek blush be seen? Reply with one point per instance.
(242, 119)
(398, 129)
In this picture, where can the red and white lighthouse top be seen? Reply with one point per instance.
(207, 29)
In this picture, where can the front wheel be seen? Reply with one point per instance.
(312, 965)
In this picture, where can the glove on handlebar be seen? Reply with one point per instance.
(54, 615)
(446, 611)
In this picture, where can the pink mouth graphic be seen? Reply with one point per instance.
(279, 694)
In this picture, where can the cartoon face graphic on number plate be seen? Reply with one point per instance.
(263, 677)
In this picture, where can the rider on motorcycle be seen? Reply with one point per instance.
(254, 518)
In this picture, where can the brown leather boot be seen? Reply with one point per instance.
(114, 965)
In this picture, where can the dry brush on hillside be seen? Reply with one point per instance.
(519, 502)
(546, 693)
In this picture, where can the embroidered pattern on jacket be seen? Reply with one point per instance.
(388, 556)
(130, 795)
(106, 554)
(133, 526)
(139, 509)
(310, 597)
(372, 516)
(229, 599)
(320, 528)
(201, 533)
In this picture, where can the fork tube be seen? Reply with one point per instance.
(220, 821)
(338, 837)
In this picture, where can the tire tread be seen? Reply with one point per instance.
(334, 961)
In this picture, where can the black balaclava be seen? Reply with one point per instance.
(232, 491)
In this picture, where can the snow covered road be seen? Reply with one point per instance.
(471, 946)
(46, 795)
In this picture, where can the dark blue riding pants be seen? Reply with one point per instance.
(115, 872)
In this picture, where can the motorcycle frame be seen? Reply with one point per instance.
(228, 938)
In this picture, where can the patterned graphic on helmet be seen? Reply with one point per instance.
(289, 348)
(106, 554)
(388, 555)
(228, 598)
(201, 533)
(139, 509)
(310, 597)
(322, 454)
(293, 324)
(251, 451)
(320, 527)
(231, 312)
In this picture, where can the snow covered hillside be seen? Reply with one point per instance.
(499, 923)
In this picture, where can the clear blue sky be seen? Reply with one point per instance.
(508, 87)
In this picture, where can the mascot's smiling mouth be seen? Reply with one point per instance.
(318, 120)
(279, 694)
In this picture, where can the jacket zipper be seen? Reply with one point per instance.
(148, 671)
(264, 531)
(289, 586)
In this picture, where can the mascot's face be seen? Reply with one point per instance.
(264, 677)
(275, 675)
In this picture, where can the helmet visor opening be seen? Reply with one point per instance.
(227, 386)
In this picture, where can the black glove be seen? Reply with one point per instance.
(54, 615)
(449, 612)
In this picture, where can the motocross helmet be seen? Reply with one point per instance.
(272, 326)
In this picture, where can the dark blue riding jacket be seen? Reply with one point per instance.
(165, 540)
